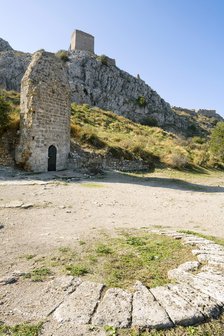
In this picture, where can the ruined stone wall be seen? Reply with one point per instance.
(210, 114)
(82, 41)
(45, 113)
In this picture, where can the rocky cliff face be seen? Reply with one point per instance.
(13, 65)
(96, 81)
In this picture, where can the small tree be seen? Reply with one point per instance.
(217, 141)
(5, 109)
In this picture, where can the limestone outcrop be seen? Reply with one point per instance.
(4, 45)
(13, 65)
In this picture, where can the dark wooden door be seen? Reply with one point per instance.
(52, 157)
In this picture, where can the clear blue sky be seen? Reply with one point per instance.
(177, 46)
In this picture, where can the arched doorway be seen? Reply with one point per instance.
(52, 157)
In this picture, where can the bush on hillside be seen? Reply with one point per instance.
(149, 121)
(176, 160)
(5, 110)
(103, 59)
(217, 141)
(141, 102)
(63, 55)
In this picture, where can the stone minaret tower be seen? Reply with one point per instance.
(45, 115)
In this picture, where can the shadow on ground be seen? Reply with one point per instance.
(15, 176)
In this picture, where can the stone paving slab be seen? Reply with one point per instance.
(202, 302)
(209, 252)
(147, 312)
(211, 247)
(114, 309)
(27, 301)
(178, 309)
(80, 305)
(189, 266)
(211, 288)
(211, 276)
(211, 258)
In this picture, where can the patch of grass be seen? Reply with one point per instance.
(64, 249)
(21, 330)
(30, 256)
(103, 249)
(77, 270)
(117, 261)
(135, 241)
(38, 274)
(91, 185)
(110, 331)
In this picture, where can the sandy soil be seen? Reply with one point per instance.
(64, 212)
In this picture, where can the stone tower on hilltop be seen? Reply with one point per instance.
(45, 115)
(82, 41)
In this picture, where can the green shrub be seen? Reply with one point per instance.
(149, 121)
(217, 141)
(103, 59)
(63, 55)
(198, 140)
(141, 101)
(5, 110)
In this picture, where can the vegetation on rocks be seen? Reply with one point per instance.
(105, 132)
(103, 59)
(63, 55)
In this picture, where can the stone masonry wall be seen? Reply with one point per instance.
(45, 113)
(82, 41)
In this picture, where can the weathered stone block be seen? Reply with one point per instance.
(147, 312)
(80, 305)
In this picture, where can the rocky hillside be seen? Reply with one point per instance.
(96, 81)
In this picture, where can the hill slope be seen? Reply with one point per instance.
(104, 139)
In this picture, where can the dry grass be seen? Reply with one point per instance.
(105, 132)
